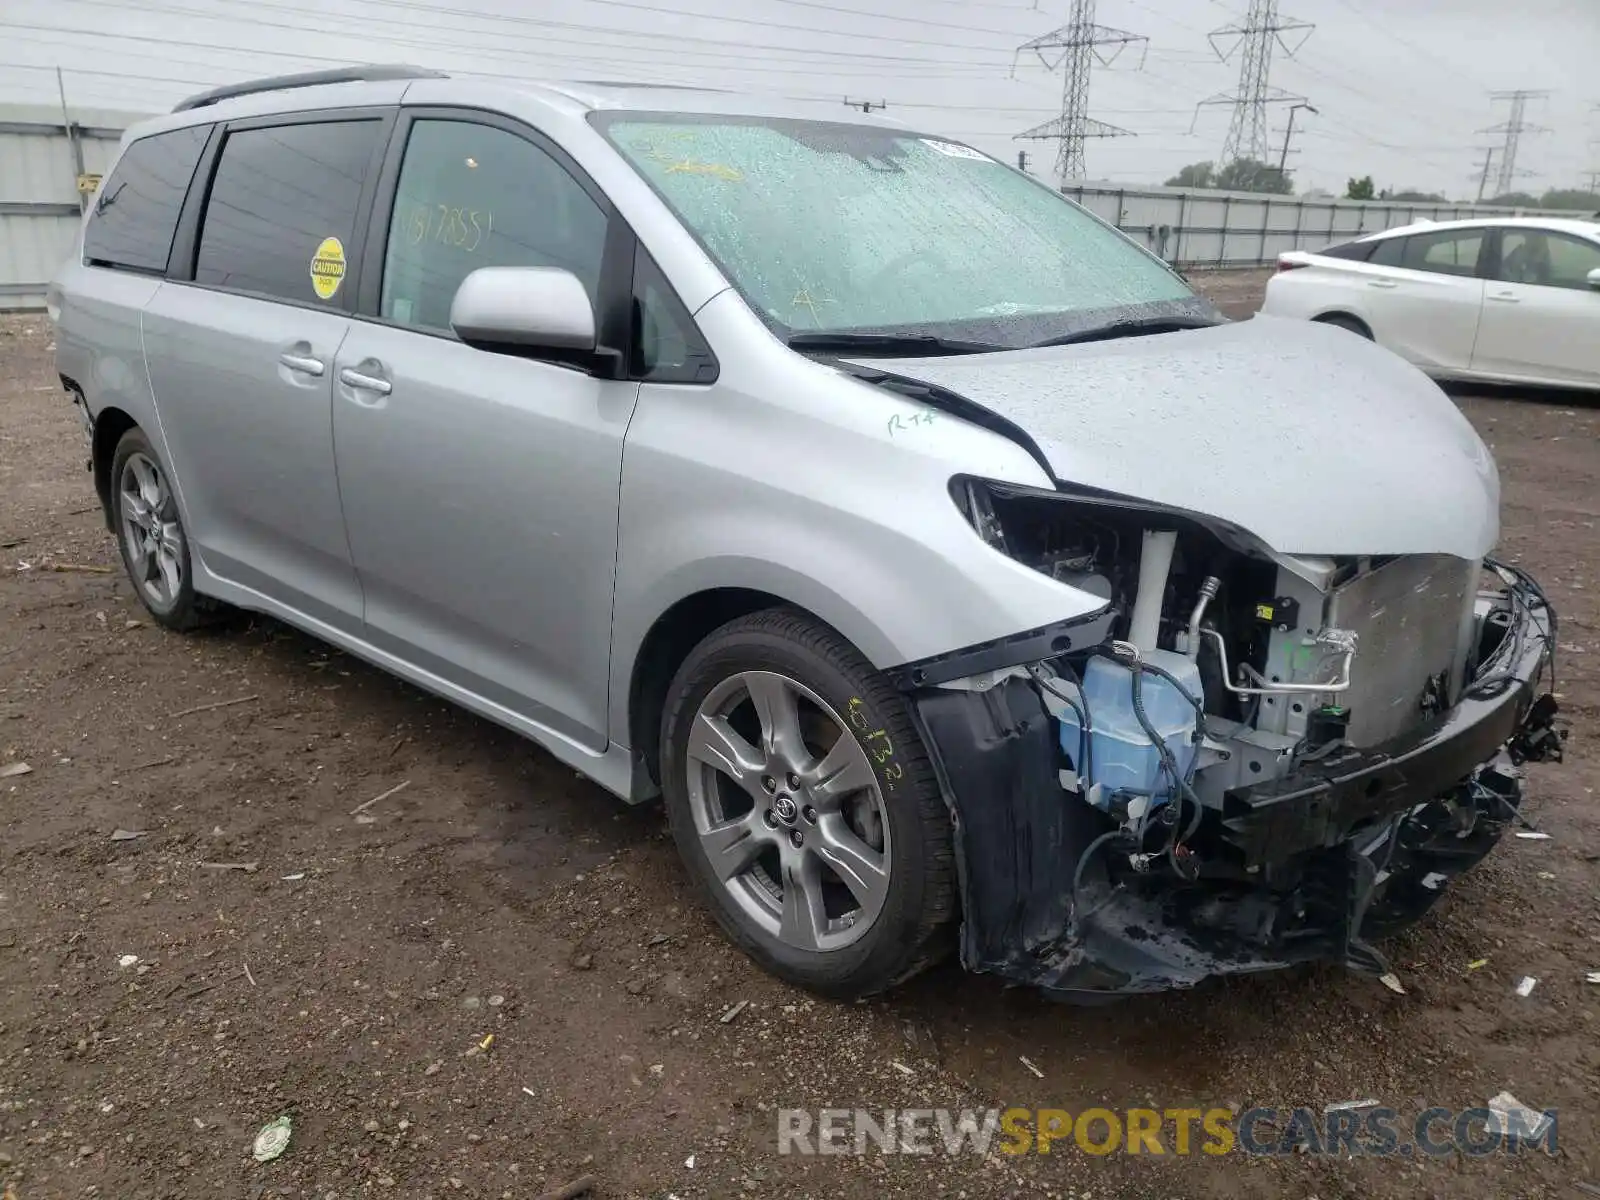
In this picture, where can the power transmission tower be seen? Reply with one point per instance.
(1483, 175)
(867, 106)
(1261, 29)
(1288, 134)
(1594, 148)
(1073, 49)
(1513, 129)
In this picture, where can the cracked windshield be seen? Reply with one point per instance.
(840, 227)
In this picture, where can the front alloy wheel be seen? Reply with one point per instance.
(790, 817)
(804, 804)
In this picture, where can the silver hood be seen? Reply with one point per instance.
(1313, 439)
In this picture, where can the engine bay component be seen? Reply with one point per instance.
(1137, 712)
(1261, 763)
(1340, 641)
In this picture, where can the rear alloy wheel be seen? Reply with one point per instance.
(150, 533)
(802, 800)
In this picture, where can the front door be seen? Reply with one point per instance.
(241, 359)
(481, 490)
(1541, 319)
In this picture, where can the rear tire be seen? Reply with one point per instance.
(1340, 321)
(805, 806)
(151, 537)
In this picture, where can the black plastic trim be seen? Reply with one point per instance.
(945, 400)
(186, 239)
(1035, 645)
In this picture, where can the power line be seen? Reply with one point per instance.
(672, 36)
(1080, 43)
(1513, 129)
(498, 40)
(1453, 66)
(676, 12)
(1254, 38)
(870, 65)
(211, 65)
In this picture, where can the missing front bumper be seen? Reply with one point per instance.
(1307, 868)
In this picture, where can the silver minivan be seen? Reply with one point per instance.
(960, 580)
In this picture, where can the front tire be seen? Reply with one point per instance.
(806, 808)
(150, 534)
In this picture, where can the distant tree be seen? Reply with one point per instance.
(1574, 198)
(1252, 175)
(1361, 189)
(1416, 197)
(1515, 200)
(1195, 175)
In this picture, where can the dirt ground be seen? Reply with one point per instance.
(352, 978)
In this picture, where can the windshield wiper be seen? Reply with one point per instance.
(888, 343)
(1132, 327)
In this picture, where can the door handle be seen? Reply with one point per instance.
(366, 383)
(1505, 297)
(1382, 283)
(303, 363)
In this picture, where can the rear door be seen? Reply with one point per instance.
(1541, 319)
(480, 489)
(241, 353)
(1425, 294)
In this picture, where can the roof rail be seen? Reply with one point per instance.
(374, 73)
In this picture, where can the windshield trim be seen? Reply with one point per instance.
(601, 120)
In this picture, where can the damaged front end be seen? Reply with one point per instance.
(1242, 761)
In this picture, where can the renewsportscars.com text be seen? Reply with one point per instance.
(1369, 1130)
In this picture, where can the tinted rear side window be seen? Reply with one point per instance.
(1390, 252)
(1355, 251)
(281, 217)
(136, 212)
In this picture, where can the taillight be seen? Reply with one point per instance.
(1285, 264)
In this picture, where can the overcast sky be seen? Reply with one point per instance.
(1402, 85)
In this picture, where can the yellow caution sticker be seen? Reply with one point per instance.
(1264, 612)
(327, 268)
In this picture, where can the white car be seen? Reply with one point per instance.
(1504, 301)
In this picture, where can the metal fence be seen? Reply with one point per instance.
(1200, 228)
(47, 172)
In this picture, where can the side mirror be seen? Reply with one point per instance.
(526, 308)
(1594, 279)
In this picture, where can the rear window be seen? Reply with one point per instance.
(1356, 251)
(281, 217)
(136, 213)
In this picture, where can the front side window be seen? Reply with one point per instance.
(473, 196)
(136, 212)
(667, 347)
(1546, 259)
(850, 227)
(281, 218)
